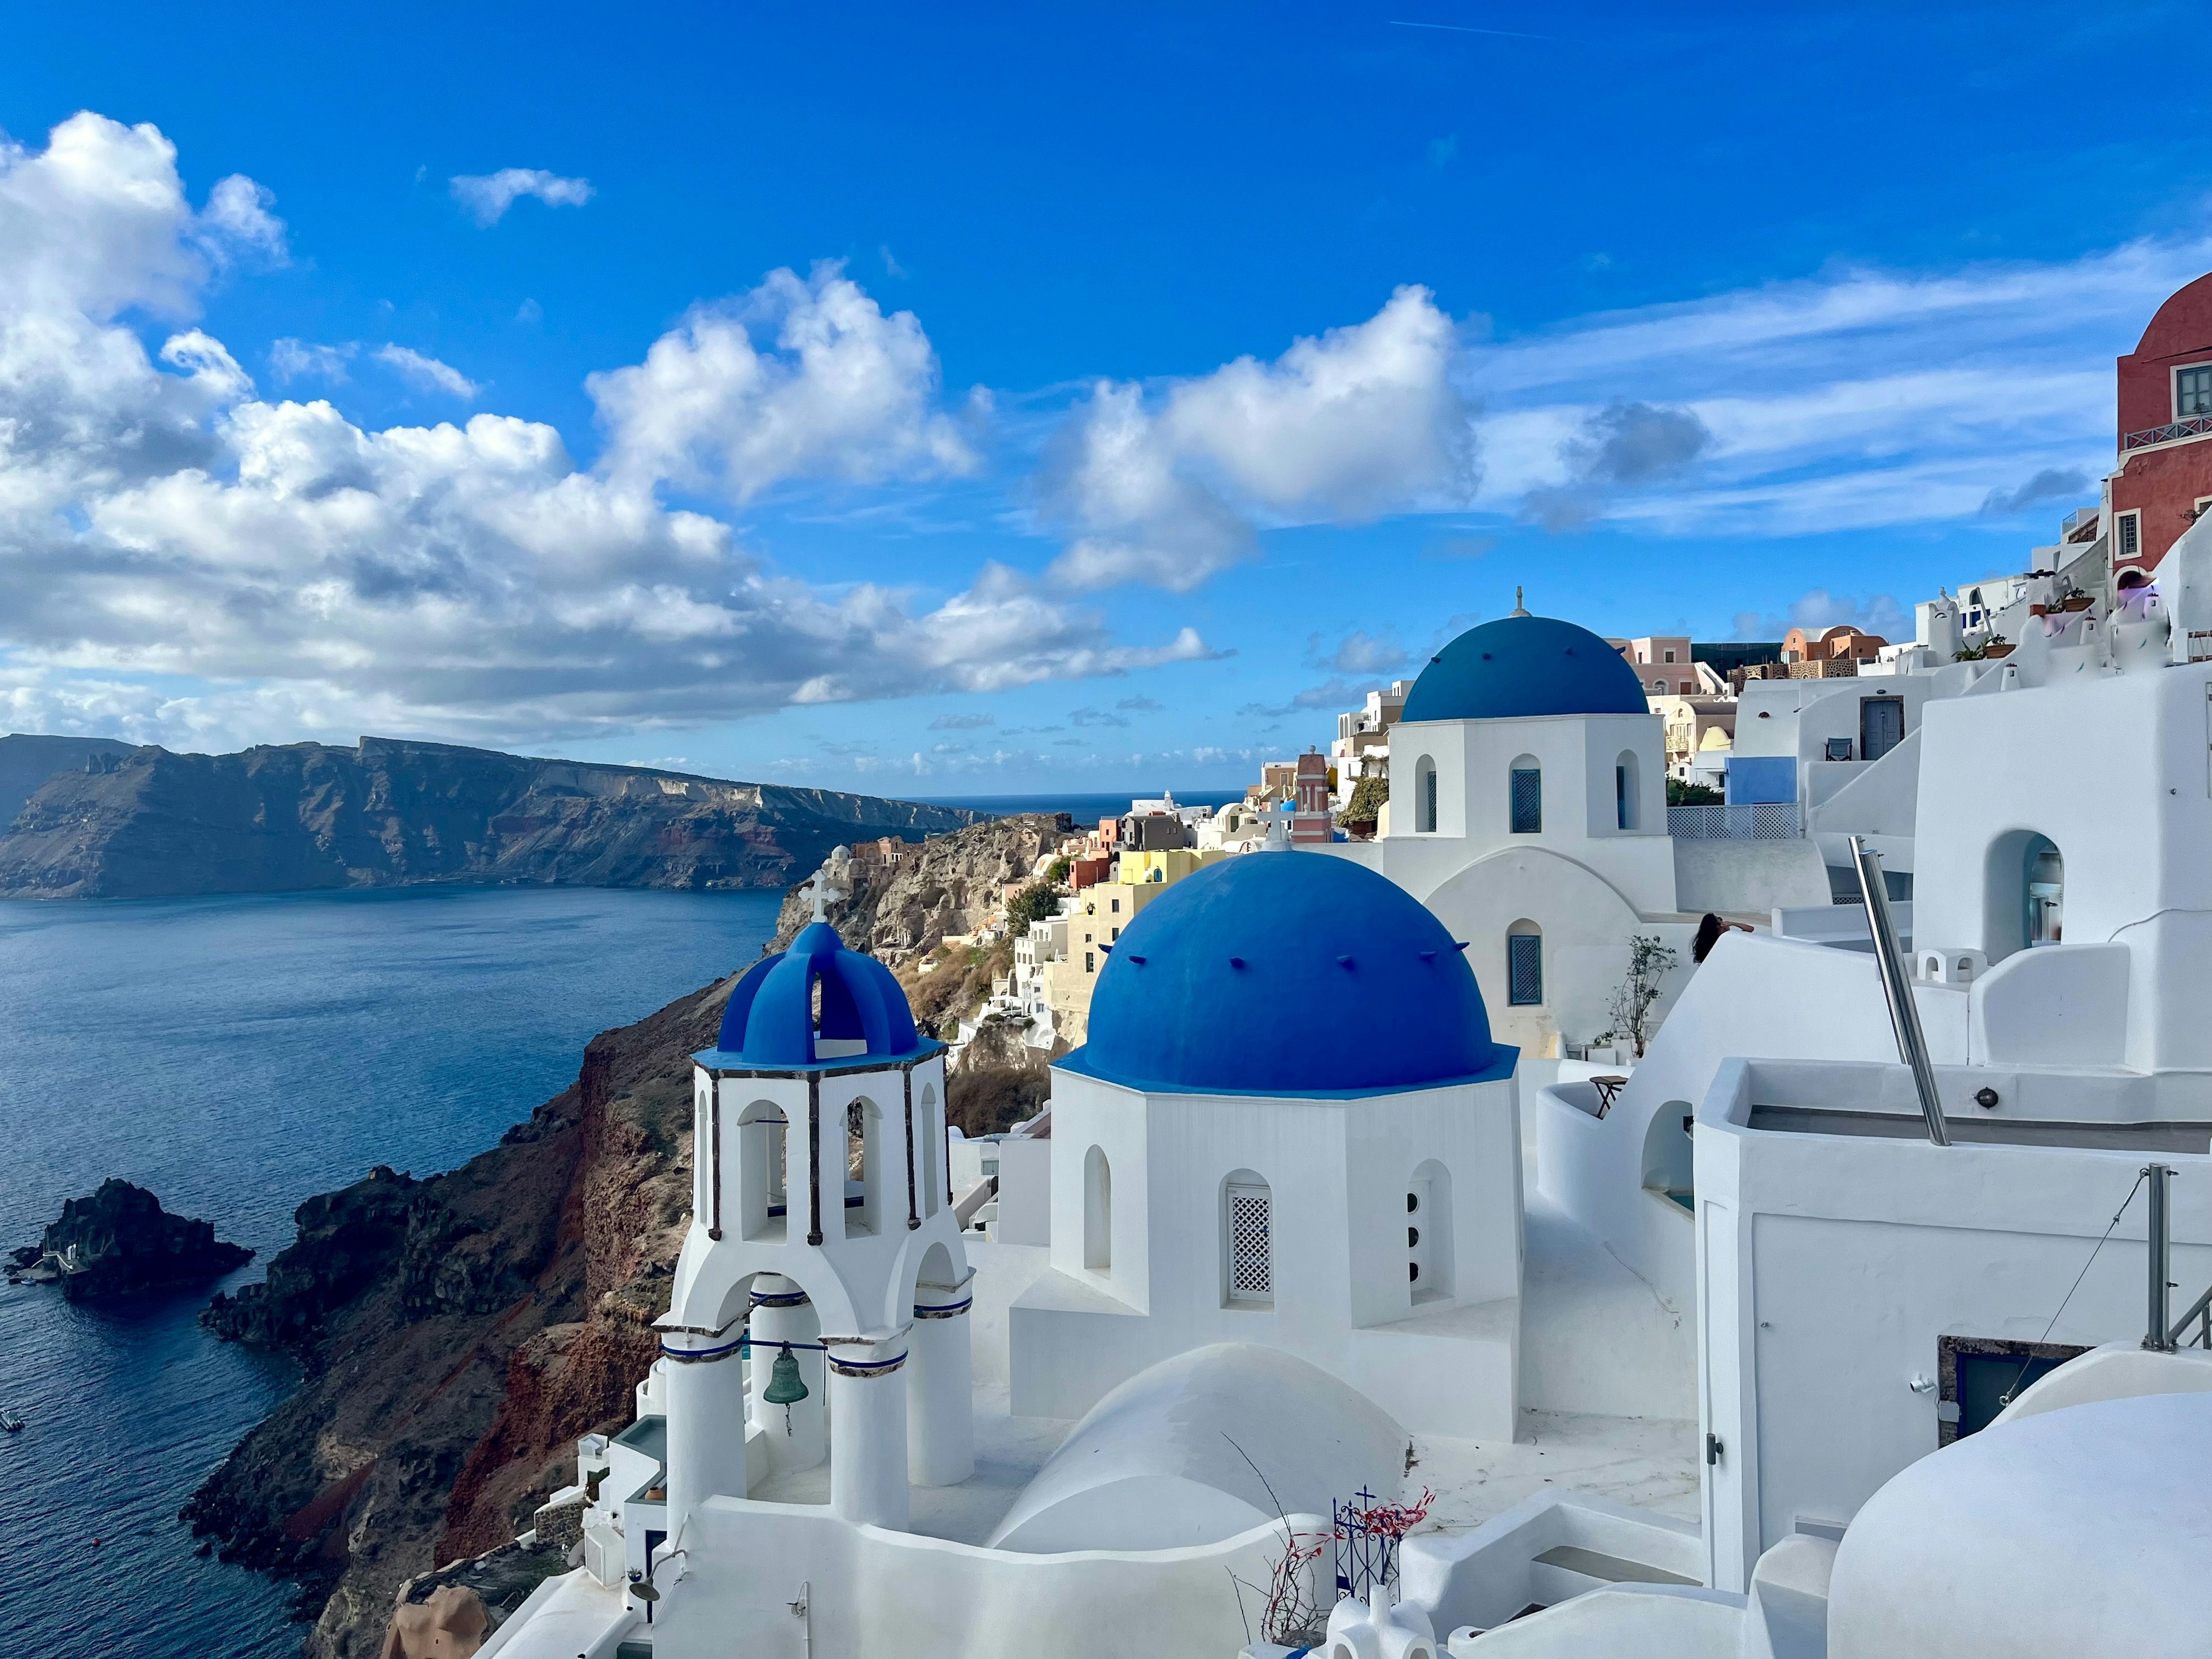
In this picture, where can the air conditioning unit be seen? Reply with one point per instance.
(604, 1556)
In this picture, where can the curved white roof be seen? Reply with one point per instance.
(1160, 1463)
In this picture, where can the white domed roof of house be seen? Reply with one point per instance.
(2086, 1530)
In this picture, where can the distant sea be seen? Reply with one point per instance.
(237, 1055)
(1084, 809)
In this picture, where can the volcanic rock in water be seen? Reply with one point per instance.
(120, 1242)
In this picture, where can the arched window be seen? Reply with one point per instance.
(1528, 796)
(2024, 900)
(1429, 1232)
(1624, 790)
(930, 1131)
(763, 1137)
(1248, 1244)
(1667, 1159)
(1098, 1212)
(863, 1160)
(1524, 964)
(2046, 893)
(703, 1155)
(1424, 796)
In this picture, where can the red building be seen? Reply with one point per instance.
(2164, 477)
(1310, 819)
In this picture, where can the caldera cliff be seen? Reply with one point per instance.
(117, 823)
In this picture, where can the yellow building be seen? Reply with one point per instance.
(1167, 865)
(1096, 923)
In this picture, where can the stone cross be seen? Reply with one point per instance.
(823, 891)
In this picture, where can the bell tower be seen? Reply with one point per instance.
(821, 1297)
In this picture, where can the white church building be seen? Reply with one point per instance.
(1529, 811)
(1222, 1172)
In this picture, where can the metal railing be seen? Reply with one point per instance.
(2160, 1337)
(2195, 427)
(1757, 821)
(1897, 991)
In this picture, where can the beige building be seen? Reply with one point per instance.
(1100, 914)
(1687, 723)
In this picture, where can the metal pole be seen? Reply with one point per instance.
(2158, 1337)
(1897, 989)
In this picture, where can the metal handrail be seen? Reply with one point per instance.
(1897, 989)
(2200, 1309)
(2195, 427)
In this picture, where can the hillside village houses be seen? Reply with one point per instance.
(1857, 1317)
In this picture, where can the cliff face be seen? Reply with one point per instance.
(897, 913)
(147, 822)
(28, 761)
(458, 1333)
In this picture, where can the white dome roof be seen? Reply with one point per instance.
(2085, 1530)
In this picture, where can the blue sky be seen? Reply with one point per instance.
(1056, 399)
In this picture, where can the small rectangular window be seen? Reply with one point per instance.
(1527, 801)
(2130, 526)
(1089, 962)
(2193, 391)
(1117, 907)
(1524, 969)
(1670, 653)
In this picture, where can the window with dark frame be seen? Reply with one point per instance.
(1528, 800)
(1524, 969)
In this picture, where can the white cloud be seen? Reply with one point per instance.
(1857, 399)
(488, 195)
(1878, 613)
(427, 374)
(796, 379)
(183, 561)
(1169, 489)
(291, 360)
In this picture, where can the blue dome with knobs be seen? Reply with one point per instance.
(1520, 666)
(1243, 977)
(769, 1023)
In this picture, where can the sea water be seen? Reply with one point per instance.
(237, 1055)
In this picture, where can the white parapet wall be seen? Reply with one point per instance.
(867, 1591)
(1485, 1578)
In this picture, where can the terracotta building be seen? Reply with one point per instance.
(2164, 476)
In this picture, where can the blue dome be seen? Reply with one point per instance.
(1518, 666)
(769, 1023)
(1287, 972)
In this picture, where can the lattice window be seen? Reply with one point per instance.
(1524, 969)
(1251, 1275)
(1527, 801)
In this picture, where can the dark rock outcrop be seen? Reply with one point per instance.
(346, 1240)
(120, 1242)
(299, 817)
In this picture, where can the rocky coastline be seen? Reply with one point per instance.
(457, 1334)
(119, 1241)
